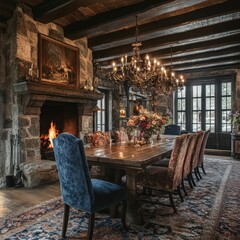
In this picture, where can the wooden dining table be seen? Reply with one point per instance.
(132, 158)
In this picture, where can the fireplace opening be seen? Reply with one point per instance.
(55, 118)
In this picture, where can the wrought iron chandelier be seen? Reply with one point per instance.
(146, 76)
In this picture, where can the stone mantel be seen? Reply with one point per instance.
(56, 92)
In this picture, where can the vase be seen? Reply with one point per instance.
(147, 138)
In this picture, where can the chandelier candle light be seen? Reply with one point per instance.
(145, 76)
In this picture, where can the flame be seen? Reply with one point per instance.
(52, 133)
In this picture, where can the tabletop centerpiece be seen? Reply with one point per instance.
(147, 123)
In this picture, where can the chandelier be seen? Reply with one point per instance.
(146, 76)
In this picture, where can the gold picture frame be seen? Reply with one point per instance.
(58, 62)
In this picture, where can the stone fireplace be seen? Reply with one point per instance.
(40, 104)
(70, 109)
(28, 105)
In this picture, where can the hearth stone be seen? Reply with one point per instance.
(38, 172)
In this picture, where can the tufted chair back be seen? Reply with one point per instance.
(197, 149)
(172, 129)
(176, 162)
(78, 189)
(204, 143)
(120, 135)
(73, 171)
(98, 138)
(190, 154)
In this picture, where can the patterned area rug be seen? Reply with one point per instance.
(210, 211)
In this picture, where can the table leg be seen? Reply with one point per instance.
(134, 214)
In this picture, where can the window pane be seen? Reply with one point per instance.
(194, 88)
(208, 105)
(196, 117)
(212, 103)
(224, 88)
(224, 103)
(179, 104)
(210, 90)
(182, 93)
(195, 104)
(229, 88)
(229, 103)
(183, 104)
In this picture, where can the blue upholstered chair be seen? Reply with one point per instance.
(78, 189)
(172, 129)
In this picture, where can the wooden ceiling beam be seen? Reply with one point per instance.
(124, 17)
(194, 51)
(222, 45)
(198, 58)
(199, 47)
(153, 45)
(160, 28)
(208, 67)
(3, 25)
(5, 14)
(48, 11)
(206, 63)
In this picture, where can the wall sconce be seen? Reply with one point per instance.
(122, 112)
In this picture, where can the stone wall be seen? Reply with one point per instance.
(19, 49)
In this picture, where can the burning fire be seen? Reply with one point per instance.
(52, 133)
(46, 140)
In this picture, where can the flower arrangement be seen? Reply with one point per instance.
(147, 123)
(235, 119)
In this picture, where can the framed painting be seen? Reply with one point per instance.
(58, 62)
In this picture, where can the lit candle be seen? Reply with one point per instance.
(154, 63)
(122, 60)
(114, 66)
(182, 79)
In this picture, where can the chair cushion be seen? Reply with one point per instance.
(162, 163)
(106, 193)
(154, 178)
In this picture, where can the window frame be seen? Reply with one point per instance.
(217, 81)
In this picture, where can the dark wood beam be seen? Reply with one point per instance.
(160, 28)
(9, 4)
(208, 63)
(182, 53)
(199, 47)
(48, 11)
(6, 14)
(3, 25)
(174, 39)
(124, 17)
(194, 51)
(202, 57)
(208, 68)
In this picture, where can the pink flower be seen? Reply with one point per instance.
(131, 123)
(154, 122)
(142, 118)
(148, 126)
